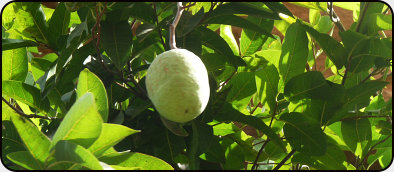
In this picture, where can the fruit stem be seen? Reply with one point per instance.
(174, 24)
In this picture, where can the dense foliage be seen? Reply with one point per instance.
(74, 97)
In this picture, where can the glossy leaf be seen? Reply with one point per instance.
(330, 46)
(89, 82)
(116, 39)
(25, 160)
(74, 40)
(135, 159)
(359, 96)
(236, 21)
(278, 8)
(39, 20)
(8, 44)
(214, 41)
(58, 24)
(37, 144)
(313, 85)
(84, 118)
(250, 40)
(267, 80)
(248, 8)
(69, 151)
(304, 135)
(111, 134)
(355, 131)
(294, 53)
(243, 85)
(26, 94)
(227, 34)
(14, 64)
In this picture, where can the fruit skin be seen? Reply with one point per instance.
(177, 84)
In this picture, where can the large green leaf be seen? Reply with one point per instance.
(294, 53)
(82, 124)
(267, 80)
(249, 8)
(117, 39)
(214, 41)
(313, 85)
(228, 113)
(35, 141)
(8, 44)
(74, 40)
(71, 152)
(38, 17)
(251, 40)
(243, 86)
(58, 24)
(227, 34)
(278, 7)
(14, 64)
(330, 46)
(25, 160)
(304, 135)
(237, 21)
(356, 131)
(89, 82)
(25, 93)
(359, 95)
(111, 134)
(135, 159)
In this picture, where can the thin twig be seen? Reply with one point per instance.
(26, 115)
(254, 166)
(174, 24)
(228, 79)
(362, 15)
(284, 159)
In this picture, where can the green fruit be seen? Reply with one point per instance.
(177, 84)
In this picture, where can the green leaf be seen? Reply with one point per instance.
(237, 21)
(234, 155)
(38, 17)
(359, 95)
(248, 8)
(228, 113)
(14, 64)
(111, 134)
(135, 159)
(267, 80)
(117, 40)
(313, 85)
(356, 131)
(304, 135)
(294, 53)
(212, 40)
(243, 85)
(35, 141)
(89, 82)
(74, 40)
(25, 93)
(227, 34)
(25, 160)
(69, 151)
(8, 44)
(82, 124)
(58, 24)
(224, 129)
(278, 8)
(188, 22)
(251, 40)
(330, 46)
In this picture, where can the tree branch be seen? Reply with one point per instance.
(254, 166)
(369, 152)
(284, 159)
(26, 115)
(334, 18)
